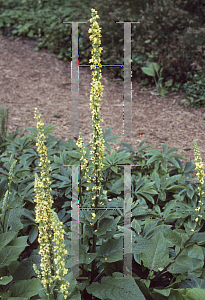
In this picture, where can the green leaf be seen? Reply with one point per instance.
(128, 146)
(112, 250)
(155, 178)
(25, 268)
(114, 169)
(148, 71)
(157, 209)
(140, 148)
(169, 82)
(11, 253)
(30, 34)
(173, 237)
(105, 225)
(74, 154)
(6, 237)
(25, 288)
(144, 189)
(193, 294)
(116, 158)
(172, 179)
(162, 91)
(117, 187)
(29, 215)
(33, 234)
(141, 245)
(164, 164)
(157, 157)
(168, 208)
(164, 147)
(107, 132)
(156, 257)
(110, 139)
(5, 280)
(155, 66)
(113, 288)
(149, 226)
(86, 258)
(136, 226)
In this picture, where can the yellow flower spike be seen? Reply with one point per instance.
(47, 220)
(200, 175)
(97, 141)
(97, 152)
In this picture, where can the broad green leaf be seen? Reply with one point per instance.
(11, 253)
(156, 257)
(168, 208)
(6, 237)
(113, 288)
(155, 178)
(173, 237)
(148, 71)
(141, 245)
(112, 250)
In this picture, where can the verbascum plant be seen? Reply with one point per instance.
(97, 151)
(50, 228)
(200, 175)
(97, 141)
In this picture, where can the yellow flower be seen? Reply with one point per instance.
(200, 174)
(48, 220)
(94, 215)
(97, 141)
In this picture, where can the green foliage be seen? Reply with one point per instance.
(4, 131)
(151, 70)
(196, 88)
(175, 43)
(163, 215)
(112, 288)
(11, 247)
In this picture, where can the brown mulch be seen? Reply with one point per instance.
(30, 79)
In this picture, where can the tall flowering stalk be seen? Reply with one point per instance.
(200, 175)
(97, 151)
(96, 92)
(97, 141)
(52, 260)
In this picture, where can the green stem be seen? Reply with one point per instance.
(9, 200)
(51, 255)
(94, 242)
(81, 201)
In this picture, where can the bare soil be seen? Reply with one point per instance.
(30, 79)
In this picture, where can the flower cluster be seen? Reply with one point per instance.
(80, 145)
(48, 220)
(200, 175)
(97, 141)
